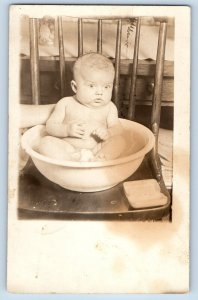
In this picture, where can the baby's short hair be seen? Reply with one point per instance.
(94, 61)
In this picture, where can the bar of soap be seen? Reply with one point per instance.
(144, 193)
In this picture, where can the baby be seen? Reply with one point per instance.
(85, 127)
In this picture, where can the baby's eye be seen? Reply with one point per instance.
(107, 86)
(91, 85)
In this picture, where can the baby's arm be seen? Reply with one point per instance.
(115, 145)
(113, 123)
(55, 125)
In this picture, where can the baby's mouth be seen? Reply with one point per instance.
(98, 100)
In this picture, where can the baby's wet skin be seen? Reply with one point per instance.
(88, 135)
(79, 143)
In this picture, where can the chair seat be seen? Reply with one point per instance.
(42, 199)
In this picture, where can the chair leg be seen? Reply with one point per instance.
(157, 171)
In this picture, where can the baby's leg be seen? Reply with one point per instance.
(56, 148)
(112, 148)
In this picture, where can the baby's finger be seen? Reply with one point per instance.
(97, 131)
(106, 135)
(102, 133)
(79, 129)
(79, 135)
(81, 125)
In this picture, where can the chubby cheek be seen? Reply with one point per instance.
(109, 95)
(84, 96)
(82, 93)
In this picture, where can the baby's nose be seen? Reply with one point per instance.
(99, 91)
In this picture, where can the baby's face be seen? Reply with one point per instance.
(94, 89)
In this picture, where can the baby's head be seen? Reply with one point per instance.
(93, 79)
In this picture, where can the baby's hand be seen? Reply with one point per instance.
(76, 130)
(102, 133)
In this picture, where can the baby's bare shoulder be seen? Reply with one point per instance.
(65, 101)
(112, 107)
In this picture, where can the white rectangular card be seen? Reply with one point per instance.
(51, 250)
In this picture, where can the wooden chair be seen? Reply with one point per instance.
(96, 205)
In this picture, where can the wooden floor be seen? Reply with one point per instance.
(39, 198)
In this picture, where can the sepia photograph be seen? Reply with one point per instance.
(96, 132)
(90, 156)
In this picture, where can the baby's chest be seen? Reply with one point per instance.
(87, 115)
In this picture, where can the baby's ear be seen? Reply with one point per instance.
(74, 86)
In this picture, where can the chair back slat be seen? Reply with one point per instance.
(80, 37)
(158, 82)
(157, 93)
(117, 64)
(61, 56)
(131, 109)
(99, 38)
(34, 60)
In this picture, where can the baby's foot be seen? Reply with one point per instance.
(100, 157)
(76, 156)
(86, 155)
